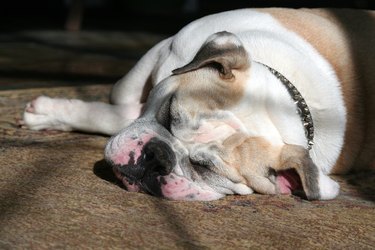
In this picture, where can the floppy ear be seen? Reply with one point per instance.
(297, 157)
(222, 51)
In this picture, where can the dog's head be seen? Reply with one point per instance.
(189, 145)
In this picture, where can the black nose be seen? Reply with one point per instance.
(157, 159)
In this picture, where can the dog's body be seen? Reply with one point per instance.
(223, 123)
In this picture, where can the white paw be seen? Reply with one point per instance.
(329, 189)
(43, 113)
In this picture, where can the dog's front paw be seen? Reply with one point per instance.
(329, 189)
(43, 113)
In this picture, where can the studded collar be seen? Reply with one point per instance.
(301, 107)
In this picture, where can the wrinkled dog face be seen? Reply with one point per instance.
(187, 145)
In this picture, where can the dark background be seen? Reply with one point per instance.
(48, 43)
(161, 16)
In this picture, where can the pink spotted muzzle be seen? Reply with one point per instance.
(139, 158)
(147, 158)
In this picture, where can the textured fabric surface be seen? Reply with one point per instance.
(57, 192)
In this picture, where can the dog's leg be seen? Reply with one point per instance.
(128, 96)
(135, 86)
(207, 155)
(261, 184)
(46, 113)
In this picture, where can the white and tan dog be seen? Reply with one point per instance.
(266, 100)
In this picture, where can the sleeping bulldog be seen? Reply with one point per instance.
(266, 100)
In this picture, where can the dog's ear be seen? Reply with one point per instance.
(297, 157)
(222, 51)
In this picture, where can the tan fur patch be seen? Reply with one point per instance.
(204, 90)
(252, 157)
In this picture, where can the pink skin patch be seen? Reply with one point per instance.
(128, 186)
(179, 188)
(131, 149)
(287, 181)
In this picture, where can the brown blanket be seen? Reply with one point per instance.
(57, 192)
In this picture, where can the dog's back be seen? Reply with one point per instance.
(346, 38)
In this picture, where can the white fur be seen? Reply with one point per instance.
(328, 188)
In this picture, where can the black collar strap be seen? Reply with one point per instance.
(302, 108)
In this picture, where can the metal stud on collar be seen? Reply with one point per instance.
(302, 108)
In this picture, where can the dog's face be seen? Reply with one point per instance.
(188, 145)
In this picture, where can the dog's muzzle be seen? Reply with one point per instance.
(140, 155)
(147, 158)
